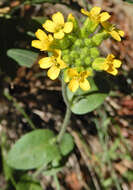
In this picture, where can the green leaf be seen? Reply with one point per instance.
(129, 1)
(23, 57)
(40, 19)
(83, 102)
(33, 150)
(67, 144)
(28, 185)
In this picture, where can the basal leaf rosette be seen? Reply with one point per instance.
(73, 51)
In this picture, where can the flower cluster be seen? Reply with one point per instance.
(73, 51)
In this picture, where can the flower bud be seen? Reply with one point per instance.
(94, 52)
(74, 54)
(88, 42)
(78, 43)
(99, 37)
(66, 58)
(98, 63)
(88, 60)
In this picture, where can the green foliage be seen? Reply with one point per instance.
(26, 182)
(33, 150)
(39, 148)
(84, 102)
(23, 57)
(129, 1)
(28, 185)
(66, 144)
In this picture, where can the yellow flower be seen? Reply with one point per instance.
(114, 32)
(58, 26)
(54, 63)
(77, 79)
(95, 15)
(111, 64)
(44, 41)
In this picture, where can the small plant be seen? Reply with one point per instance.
(73, 56)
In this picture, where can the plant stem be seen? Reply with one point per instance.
(67, 115)
(64, 125)
(20, 109)
(64, 92)
(39, 170)
(56, 182)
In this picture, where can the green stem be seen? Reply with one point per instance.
(64, 125)
(56, 182)
(64, 92)
(20, 109)
(39, 171)
(67, 115)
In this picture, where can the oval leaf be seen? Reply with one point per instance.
(33, 150)
(28, 186)
(67, 144)
(23, 57)
(83, 102)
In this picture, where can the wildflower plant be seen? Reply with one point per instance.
(73, 56)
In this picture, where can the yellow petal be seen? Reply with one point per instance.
(53, 72)
(68, 27)
(104, 16)
(110, 57)
(113, 71)
(95, 11)
(50, 26)
(57, 53)
(73, 85)
(37, 44)
(50, 38)
(115, 35)
(121, 33)
(117, 63)
(84, 85)
(58, 18)
(45, 62)
(41, 35)
(72, 72)
(59, 35)
(71, 17)
(62, 64)
(83, 11)
(66, 77)
(104, 66)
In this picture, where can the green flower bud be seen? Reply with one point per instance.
(99, 37)
(88, 27)
(72, 19)
(62, 43)
(78, 43)
(88, 42)
(90, 71)
(88, 60)
(74, 54)
(84, 52)
(80, 69)
(78, 62)
(66, 58)
(94, 52)
(65, 52)
(98, 63)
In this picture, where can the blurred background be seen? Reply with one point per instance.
(102, 157)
